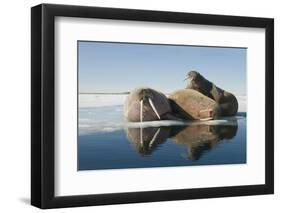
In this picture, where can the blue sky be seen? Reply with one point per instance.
(120, 67)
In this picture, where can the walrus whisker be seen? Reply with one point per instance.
(141, 111)
(153, 107)
(154, 138)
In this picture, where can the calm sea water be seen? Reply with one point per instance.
(106, 143)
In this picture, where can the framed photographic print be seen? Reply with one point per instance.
(139, 106)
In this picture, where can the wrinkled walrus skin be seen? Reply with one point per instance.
(146, 104)
(227, 101)
(192, 105)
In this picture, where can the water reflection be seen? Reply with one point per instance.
(201, 138)
(145, 140)
(198, 138)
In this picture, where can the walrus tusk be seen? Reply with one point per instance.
(154, 137)
(141, 116)
(154, 109)
(141, 111)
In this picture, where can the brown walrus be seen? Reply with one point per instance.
(192, 105)
(227, 101)
(146, 104)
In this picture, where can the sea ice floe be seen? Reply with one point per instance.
(104, 113)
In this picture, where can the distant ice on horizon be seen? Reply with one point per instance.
(97, 100)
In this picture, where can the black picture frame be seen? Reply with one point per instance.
(43, 101)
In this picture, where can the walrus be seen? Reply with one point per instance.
(192, 105)
(227, 101)
(146, 104)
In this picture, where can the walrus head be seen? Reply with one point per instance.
(145, 94)
(145, 104)
(146, 98)
(197, 82)
(194, 76)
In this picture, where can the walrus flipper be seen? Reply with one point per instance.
(230, 106)
(206, 114)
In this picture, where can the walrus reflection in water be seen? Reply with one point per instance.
(145, 140)
(227, 101)
(201, 138)
(146, 104)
